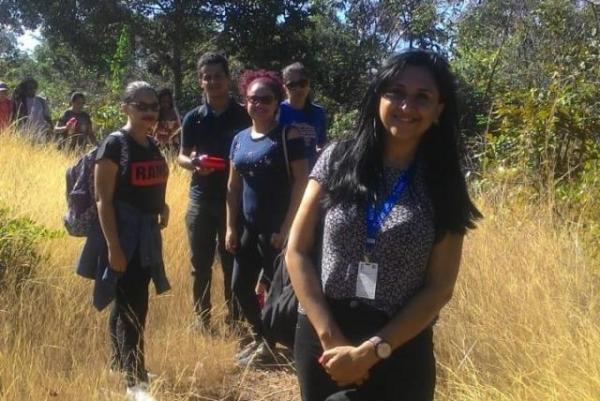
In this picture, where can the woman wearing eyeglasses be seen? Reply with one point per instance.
(125, 251)
(268, 188)
(298, 109)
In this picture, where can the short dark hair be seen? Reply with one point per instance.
(213, 58)
(77, 95)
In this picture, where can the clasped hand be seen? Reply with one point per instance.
(347, 364)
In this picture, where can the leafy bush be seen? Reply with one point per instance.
(343, 124)
(18, 240)
(107, 117)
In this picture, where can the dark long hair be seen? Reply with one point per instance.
(164, 114)
(356, 164)
(299, 68)
(20, 98)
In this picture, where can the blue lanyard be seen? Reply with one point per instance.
(377, 215)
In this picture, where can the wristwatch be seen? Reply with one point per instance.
(382, 349)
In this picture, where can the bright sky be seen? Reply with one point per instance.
(29, 40)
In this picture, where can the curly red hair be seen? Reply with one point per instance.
(270, 78)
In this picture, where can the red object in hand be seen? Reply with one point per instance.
(261, 299)
(205, 161)
(72, 122)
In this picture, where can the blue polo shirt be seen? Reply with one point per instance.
(312, 123)
(208, 133)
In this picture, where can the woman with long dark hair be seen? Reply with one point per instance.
(299, 109)
(267, 179)
(396, 208)
(168, 126)
(31, 111)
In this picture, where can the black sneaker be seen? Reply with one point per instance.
(262, 355)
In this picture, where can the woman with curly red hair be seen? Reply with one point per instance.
(268, 174)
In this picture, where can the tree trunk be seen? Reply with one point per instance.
(177, 73)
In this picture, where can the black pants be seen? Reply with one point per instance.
(407, 375)
(127, 321)
(205, 221)
(255, 253)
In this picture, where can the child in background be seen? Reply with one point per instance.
(74, 127)
(5, 106)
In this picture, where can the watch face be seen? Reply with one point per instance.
(384, 350)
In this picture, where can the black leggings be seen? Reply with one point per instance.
(407, 375)
(255, 254)
(127, 320)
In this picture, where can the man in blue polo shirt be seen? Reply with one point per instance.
(209, 130)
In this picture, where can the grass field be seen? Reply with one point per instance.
(523, 323)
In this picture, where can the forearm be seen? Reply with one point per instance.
(232, 205)
(108, 223)
(413, 318)
(60, 129)
(307, 288)
(296, 197)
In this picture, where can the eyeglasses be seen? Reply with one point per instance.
(267, 99)
(301, 83)
(143, 107)
(399, 96)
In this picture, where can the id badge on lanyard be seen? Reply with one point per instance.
(366, 279)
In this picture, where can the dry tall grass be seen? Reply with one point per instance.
(523, 324)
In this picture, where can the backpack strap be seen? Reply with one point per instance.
(124, 159)
(286, 158)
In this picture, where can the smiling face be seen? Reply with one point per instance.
(410, 104)
(213, 80)
(261, 102)
(142, 111)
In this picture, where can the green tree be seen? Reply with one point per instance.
(161, 31)
(533, 69)
(266, 33)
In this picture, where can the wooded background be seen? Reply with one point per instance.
(529, 70)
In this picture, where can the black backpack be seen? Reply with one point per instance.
(81, 203)
(280, 312)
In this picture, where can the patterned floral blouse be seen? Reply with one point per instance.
(402, 247)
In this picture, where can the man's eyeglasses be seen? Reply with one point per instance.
(267, 99)
(301, 83)
(141, 106)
